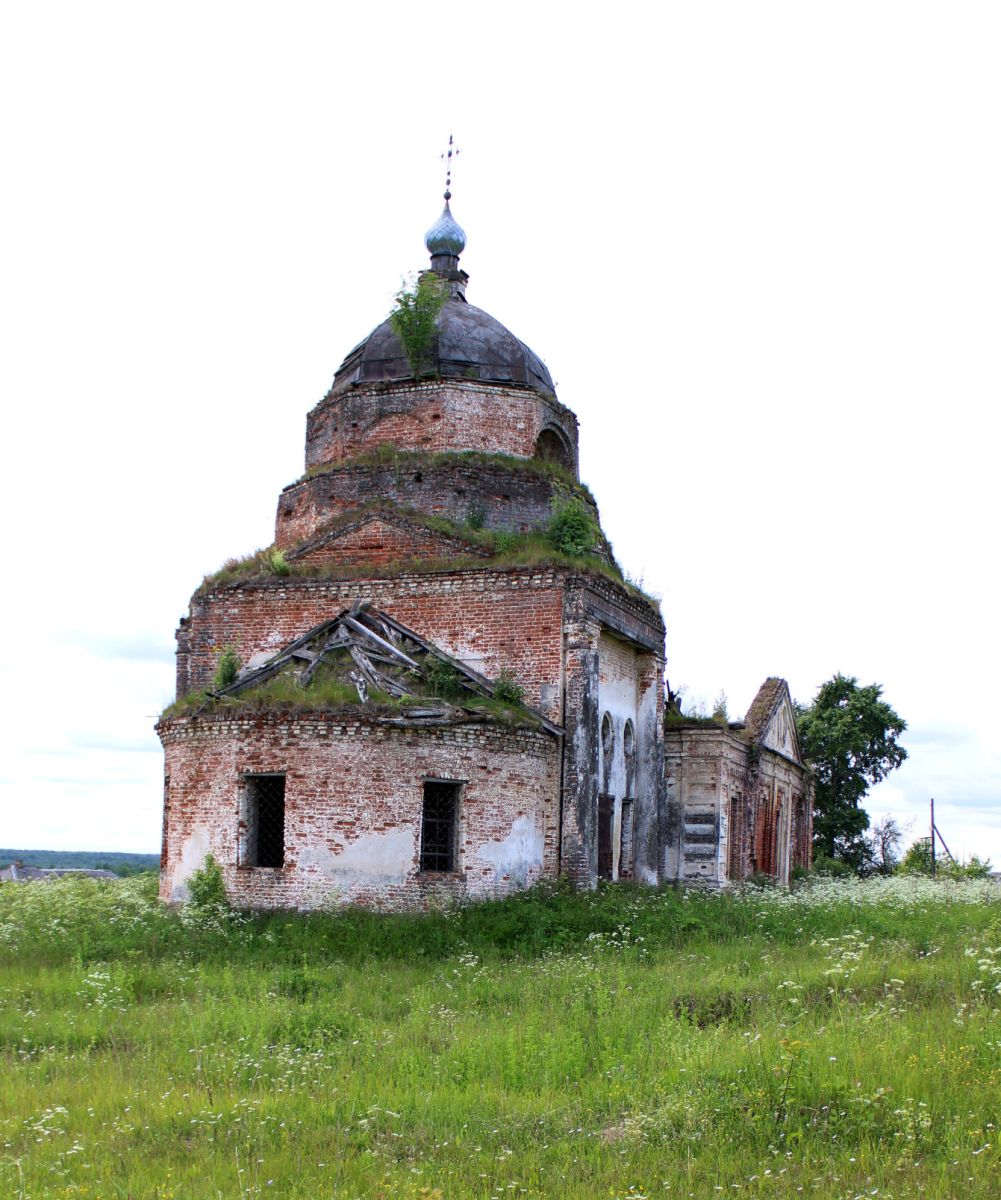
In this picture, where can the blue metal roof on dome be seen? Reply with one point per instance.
(471, 344)
(446, 235)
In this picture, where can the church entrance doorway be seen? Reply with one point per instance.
(606, 809)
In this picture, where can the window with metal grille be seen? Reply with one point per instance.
(439, 826)
(264, 821)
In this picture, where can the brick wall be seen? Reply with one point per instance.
(377, 542)
(353, 800)
(491, 619)
(502, 497)
(759, 805)
(436, 415)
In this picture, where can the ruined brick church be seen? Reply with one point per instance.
(427, 690)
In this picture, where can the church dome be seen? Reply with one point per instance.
(446, 235)
(470, 344)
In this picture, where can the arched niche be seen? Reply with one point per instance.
(552, 446)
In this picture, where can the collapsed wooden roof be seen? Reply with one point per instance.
(380, 658)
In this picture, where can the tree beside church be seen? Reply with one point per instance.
(850, 736)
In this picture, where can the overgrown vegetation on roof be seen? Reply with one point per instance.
(365, 657)
(507, 689)
(415, 319)
(679, 720)
(499, 549)
(573, 529)
(227, 669)
(331, 696)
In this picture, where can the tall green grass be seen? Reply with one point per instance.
(840, 1041)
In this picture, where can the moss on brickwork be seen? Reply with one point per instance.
(675, 720)
(282, 695)
(500, 549)
(530, 550)
(387, 454)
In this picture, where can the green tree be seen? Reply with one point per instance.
(849, 734)
(415, 320)
(917, 861)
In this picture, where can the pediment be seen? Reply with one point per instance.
(771, 719)
(381, 537)
(364, 656)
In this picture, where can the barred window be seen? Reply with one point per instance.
(439, 826)
(264, 821)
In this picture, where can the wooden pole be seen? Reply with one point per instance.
(933, 836)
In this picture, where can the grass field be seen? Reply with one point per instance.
(840, 1041)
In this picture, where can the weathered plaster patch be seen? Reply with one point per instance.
(193, 851)
(374, 859)
(518, 854)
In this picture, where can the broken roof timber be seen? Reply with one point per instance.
(359, 631)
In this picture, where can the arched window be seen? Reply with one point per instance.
(628, 741)
(606, 735)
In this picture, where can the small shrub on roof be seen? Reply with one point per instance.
(573, 529)
(227, 669)
(507, 689)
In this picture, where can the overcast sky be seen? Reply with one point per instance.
(757, 244)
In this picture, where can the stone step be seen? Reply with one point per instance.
(698, 853)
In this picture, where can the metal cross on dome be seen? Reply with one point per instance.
(447, 160)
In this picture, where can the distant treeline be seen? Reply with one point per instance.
(84, 860)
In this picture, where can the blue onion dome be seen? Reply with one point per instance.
(446, 235)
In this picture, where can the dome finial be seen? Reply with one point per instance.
(446, 239)
(447, 159)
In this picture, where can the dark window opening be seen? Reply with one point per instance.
(606, 810)
(735, 827)
(439, 826)
(264, 838)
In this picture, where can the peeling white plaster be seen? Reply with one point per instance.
(193, 852)
(518, 854)
(619, 668)
(373, 860)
